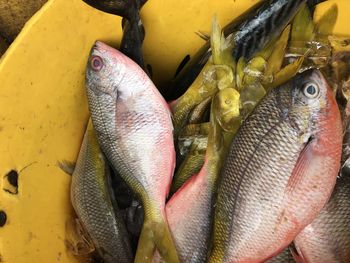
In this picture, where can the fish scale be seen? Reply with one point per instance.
(91, 200)
(262, 202)
(327, 238)
(134, 128)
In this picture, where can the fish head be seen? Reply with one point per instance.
(311, 106)
(105, 70)
(111, 73)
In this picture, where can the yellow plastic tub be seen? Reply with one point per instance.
(43, 106)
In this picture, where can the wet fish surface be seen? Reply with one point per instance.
(327, 238)
(280, 171)
(91, 199)
(134, 128)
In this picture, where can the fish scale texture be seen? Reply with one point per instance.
(263, 199)
(92, 203)
(188, 214)
(133, 125)
(327, 238)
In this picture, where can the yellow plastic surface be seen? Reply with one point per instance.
(43, 107)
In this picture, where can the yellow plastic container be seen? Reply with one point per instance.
(43, 106)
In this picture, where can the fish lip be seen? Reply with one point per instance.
(96, 49)
(97, 45)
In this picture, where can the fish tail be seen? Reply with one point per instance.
(146, 245)
(165, 243)
(133, 33)
(156, 234)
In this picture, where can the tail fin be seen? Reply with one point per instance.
(156, 234)
(133, 34)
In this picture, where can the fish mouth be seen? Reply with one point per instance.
(96, 48)
(97, 45)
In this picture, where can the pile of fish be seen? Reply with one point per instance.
(242, 161)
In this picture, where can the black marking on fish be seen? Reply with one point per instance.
(251, 32)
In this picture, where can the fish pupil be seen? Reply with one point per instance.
(96, 63)
(311, 90)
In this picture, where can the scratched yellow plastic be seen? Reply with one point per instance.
(43, 107)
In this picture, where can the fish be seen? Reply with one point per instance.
(198, 113)
(91, 198)
(191, 165)
(327, 238)
(280, 171)
(133, 35)
(134, 128)
(131, 46)
(189, 210)
(248, 33)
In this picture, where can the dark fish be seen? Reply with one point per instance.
(91, 199)
(327, 238)
(280, 171)
(249, 33)
(134, 34)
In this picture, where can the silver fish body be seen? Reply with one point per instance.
(91, 199)
(327, 238)
(280, 171)
(134, 128)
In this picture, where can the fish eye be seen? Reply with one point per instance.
(96, 63)
(311, 90)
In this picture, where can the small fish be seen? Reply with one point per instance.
(248, 33)
(327, 238)
(280, 171)
(134, 128)
(91, 199)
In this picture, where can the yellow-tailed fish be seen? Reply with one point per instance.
(134, 128)
(190, 208)
(91, 198)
